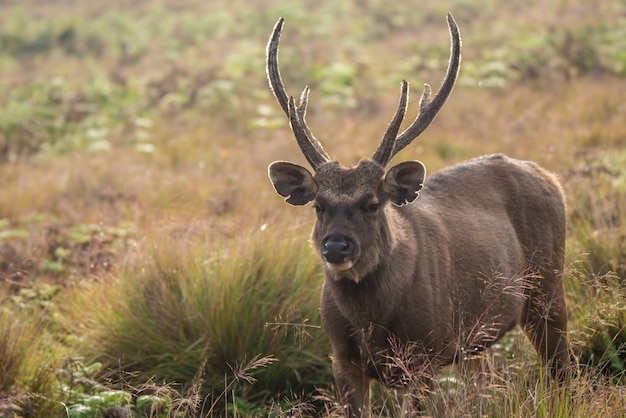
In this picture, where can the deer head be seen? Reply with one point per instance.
(351, 203)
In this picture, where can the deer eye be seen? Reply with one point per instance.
(318, 209)
(371, 208)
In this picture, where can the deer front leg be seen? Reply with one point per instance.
(348, 366)
(353, 386)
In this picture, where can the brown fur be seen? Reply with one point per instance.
(481, 251)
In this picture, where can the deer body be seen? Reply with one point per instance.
(479, 252)
(463, 268)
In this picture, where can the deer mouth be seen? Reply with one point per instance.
(339, 267)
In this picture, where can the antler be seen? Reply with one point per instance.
(310, 146)
(428, 108)
(384, 153)
(392, 143)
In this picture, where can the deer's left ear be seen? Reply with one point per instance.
(294, 182)
(403, 182)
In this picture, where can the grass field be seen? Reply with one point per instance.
(147, 267)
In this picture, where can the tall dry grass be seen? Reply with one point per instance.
(201, 311)
(28, 361)
(134, 140)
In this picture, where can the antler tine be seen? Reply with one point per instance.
(385, 150)
(301, 108)
(429, 109)
(307, 142)
(311, 149)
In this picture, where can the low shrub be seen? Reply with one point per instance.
(245, 313)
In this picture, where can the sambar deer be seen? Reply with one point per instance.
(481, 251)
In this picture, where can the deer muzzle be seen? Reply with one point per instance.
(337, 251)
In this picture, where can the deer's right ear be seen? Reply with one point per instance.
(294, 182)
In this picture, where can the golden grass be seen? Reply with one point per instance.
(200, 187)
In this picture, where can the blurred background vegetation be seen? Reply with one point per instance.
(146, 266)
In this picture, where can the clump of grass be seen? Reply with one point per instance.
(597, 285)
(183, 313)
(599, 315)
(488, 386)
(28, 357)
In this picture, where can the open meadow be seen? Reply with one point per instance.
(148, 268)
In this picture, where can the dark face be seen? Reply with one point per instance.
(350, 206)
(351, 232)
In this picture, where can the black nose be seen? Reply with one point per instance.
(336, 248)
